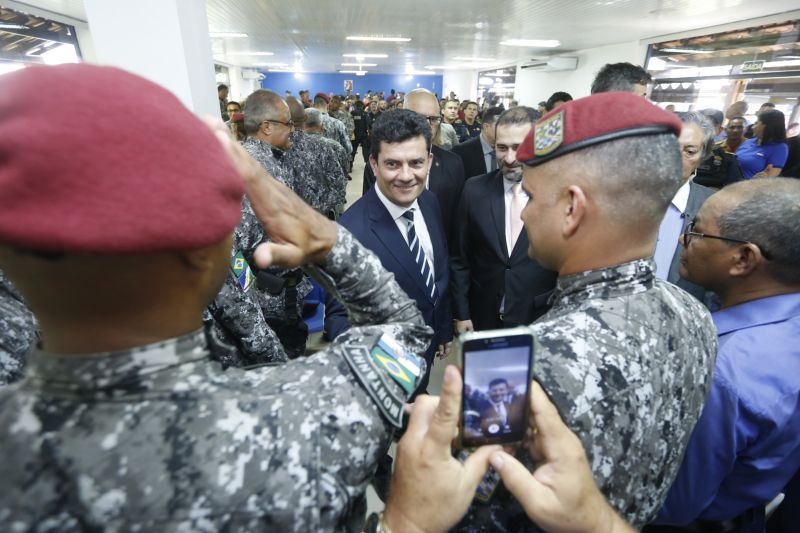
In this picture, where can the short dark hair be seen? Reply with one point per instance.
(768, 215)
(221, 86)
(234, 102)
(559, 96)
(359, 105)
(619, 77)
(518, 116)
(398, 125)
(498, 381)
(469, 102)
(491, 114)
(774, 126)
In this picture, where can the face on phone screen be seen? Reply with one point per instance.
(496, 382)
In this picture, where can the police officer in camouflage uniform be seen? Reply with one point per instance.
(317, 172)
(18, 332)
(626, 357)
(338, 110)
(332, 128)
(123, 423)
(268, 125)
(314, 126)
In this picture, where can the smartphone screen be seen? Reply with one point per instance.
(497, 368)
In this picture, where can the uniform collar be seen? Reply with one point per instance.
(757, 313)
(626, 278)
(112, 369)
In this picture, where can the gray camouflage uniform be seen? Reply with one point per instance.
(18, 332)
(159, 438)
(628, 360)
(317, 172)
(336, 130)
(249, 234)
(347, 119)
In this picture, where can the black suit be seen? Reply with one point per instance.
(698, 194)
(471, 154)
(446, 181)
(482, 271)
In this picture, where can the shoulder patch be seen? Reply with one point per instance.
(374, 382)
(241, 270)
(549, 134)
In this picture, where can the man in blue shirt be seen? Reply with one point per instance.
(744, 246)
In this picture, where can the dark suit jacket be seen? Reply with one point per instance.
(471, 154)
(482, 271)
(698, 194)
(446, 181)
(370, 222)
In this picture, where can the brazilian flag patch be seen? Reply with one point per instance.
(241, 269)
(389, 364)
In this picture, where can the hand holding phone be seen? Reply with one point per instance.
(497, 367)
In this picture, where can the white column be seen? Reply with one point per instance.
(165, 41)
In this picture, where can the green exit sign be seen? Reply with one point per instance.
(752, 66)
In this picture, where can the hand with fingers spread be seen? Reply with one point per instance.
(560, 495)
(300, 235)
(431, 490)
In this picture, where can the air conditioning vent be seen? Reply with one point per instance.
(552, 64)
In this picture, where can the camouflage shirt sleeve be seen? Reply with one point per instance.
(18, 332)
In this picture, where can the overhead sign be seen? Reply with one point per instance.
(752, 66)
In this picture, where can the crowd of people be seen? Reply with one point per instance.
(154, 371)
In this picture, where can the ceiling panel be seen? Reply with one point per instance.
(314, 31)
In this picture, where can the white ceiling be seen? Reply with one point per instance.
(314, 31)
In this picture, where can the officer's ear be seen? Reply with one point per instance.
(574, 211)
(745, 259)
(373, 163)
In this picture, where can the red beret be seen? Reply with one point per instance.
(593, 120)
(323, 96)
(142, 175)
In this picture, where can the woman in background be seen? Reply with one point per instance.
(764, 155)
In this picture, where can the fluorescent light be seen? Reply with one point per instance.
(684, 51)
(380, 39)
(13, 27)
(280, 70)
(284, 65)
(778, 64)
(787, 57)
(533, 43)
(420, 73)
(366, 55)
(352, 71)
(251, 54)
(473, 59)
(223, 34)
(359, 64)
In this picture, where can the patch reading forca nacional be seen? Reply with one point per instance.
(549, 134)
(375, 383)
(241, 269)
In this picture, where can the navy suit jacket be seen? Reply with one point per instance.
(482, 270)
(370, 222)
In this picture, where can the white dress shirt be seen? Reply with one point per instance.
(507, 185)
(420, 227)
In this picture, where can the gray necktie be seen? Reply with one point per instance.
(493, 165)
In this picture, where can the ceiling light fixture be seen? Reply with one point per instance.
(379, 39)
(358, 72)
(279, 70)
(532, 43)
(359, 64)
(377, 56)
(684, 51)
(226, 34)
(13, 27)
(279, 65)
(473, 59)
(251, 54)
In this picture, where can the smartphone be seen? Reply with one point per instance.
(497, 367)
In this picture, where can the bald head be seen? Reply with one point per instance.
(765, 212)
(297, 111)
(263, 105)
(424, 102)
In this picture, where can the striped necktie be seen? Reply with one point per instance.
(419, 254)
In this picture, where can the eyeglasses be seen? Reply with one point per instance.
(434, 119)
(289, 124)
(689, 232)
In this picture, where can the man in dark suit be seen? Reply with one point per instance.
(696, 142)
(495, 283)
(477, 154)
(400, 221)
(446, 177)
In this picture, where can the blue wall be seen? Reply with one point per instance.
(334, 82)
